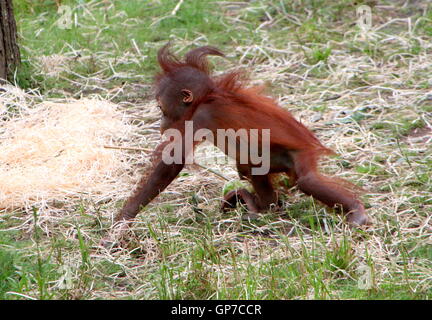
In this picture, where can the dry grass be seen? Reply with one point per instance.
(55, 151)
(369, 100)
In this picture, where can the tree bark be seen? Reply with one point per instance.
(9, 51)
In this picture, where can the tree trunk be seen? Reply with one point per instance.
(9, 51)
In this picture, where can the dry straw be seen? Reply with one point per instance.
(50, 151)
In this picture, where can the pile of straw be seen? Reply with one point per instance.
(53, 151)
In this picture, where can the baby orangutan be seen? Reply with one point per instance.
(186, 91)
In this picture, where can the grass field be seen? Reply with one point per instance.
(366, 95)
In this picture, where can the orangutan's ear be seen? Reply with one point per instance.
(187, 96)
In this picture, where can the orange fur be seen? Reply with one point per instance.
(226, 102)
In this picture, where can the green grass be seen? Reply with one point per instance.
(182, 247)
(102, 32)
